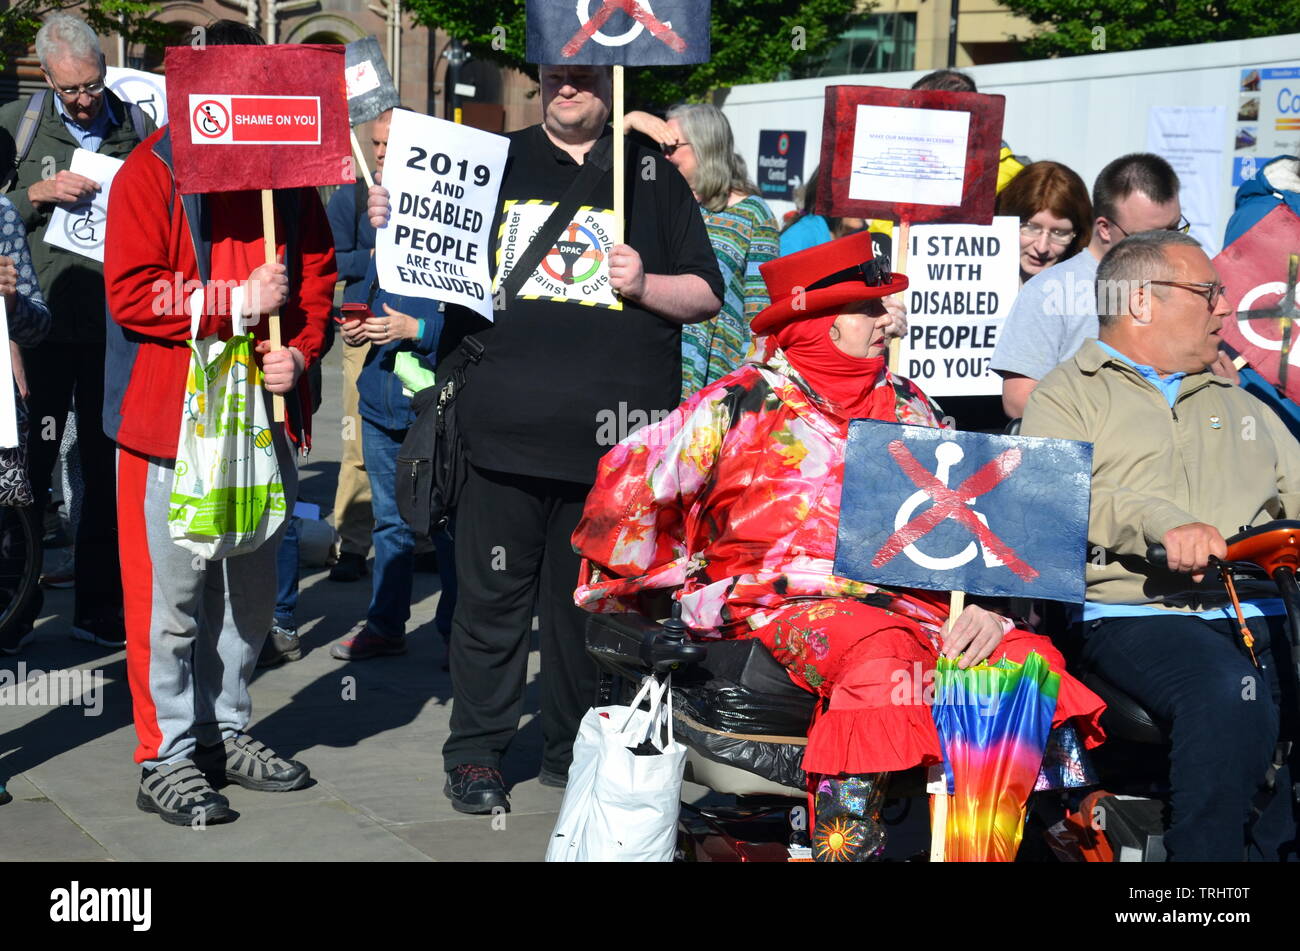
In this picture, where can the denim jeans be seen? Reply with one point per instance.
(286, 569)
(1224, 722)
(390, 597)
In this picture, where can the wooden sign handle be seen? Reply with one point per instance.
(904, 237)
(619, 145)
(273, 325)
(361, 160)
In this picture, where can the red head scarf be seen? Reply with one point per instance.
(848, 383)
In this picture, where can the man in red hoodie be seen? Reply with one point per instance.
(194, 628)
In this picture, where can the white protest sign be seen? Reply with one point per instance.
(962, 281)
(1190, 138)
(917, 156)
(80, 227)
(8, 407)
(443, 180)
(146, 90)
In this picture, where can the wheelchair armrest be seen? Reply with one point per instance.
(634, 639)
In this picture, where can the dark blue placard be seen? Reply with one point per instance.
(618, 32)
(780, 163)
(1034, 501)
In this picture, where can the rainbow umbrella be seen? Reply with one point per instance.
(993, 722)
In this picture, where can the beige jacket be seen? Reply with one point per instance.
(1220, 456)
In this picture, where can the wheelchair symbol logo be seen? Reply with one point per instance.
(622, 39)
(950, 503)
(947, 455)
(211, 120)
(83, 227)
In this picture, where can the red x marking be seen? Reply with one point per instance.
(951, 503)
(633, 9)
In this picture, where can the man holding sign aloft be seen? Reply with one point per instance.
(195, 627)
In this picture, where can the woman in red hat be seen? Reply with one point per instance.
(732, 503)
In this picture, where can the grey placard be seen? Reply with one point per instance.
(371, 92)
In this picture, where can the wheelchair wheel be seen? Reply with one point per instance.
(20, 565)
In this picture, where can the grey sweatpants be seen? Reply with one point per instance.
(193, 628)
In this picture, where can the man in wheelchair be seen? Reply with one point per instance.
(1181, 458)
(732, 503)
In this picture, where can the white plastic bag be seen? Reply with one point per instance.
(227, 494)
(618, 806)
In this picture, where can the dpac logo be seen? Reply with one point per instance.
(254, 120)
(576, 257)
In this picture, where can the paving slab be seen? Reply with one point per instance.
(509, 837)
(371, 732)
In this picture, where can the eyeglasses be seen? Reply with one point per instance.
(72, 92)
(1182, 227)
(671, 147)
(1032, 229)
(1210, 290)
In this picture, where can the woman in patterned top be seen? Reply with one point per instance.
(29, 318)
(29, 321)
(697, 139)
(732, 503)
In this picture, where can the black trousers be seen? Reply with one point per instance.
(1224, 717)
(513, 549)
(58, 373)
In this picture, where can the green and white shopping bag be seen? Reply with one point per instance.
(227, 497)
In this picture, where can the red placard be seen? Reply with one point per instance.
(923, 156)
(252, 117)
(1254, 269)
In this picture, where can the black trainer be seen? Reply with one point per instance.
(182, 796)
(281, 646)
(350, 567)
(254, 765)
(477, 790)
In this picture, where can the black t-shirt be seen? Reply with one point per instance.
(564, 377)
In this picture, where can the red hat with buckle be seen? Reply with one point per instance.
(822, 279)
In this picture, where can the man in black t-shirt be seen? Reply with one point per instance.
(586, 352)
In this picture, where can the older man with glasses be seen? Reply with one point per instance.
(1182, 457)
(39, 135)
(1055, 311)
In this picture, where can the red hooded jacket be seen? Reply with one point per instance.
(158, 250)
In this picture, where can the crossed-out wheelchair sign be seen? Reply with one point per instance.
(949, 511)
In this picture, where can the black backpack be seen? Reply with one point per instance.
(432, 464)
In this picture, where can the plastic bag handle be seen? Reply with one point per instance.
(197, 301)
(647, 687)
(661, 707)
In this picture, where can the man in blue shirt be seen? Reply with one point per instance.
(1182, 458)
(354, 249)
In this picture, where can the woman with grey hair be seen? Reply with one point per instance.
(697, 139)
